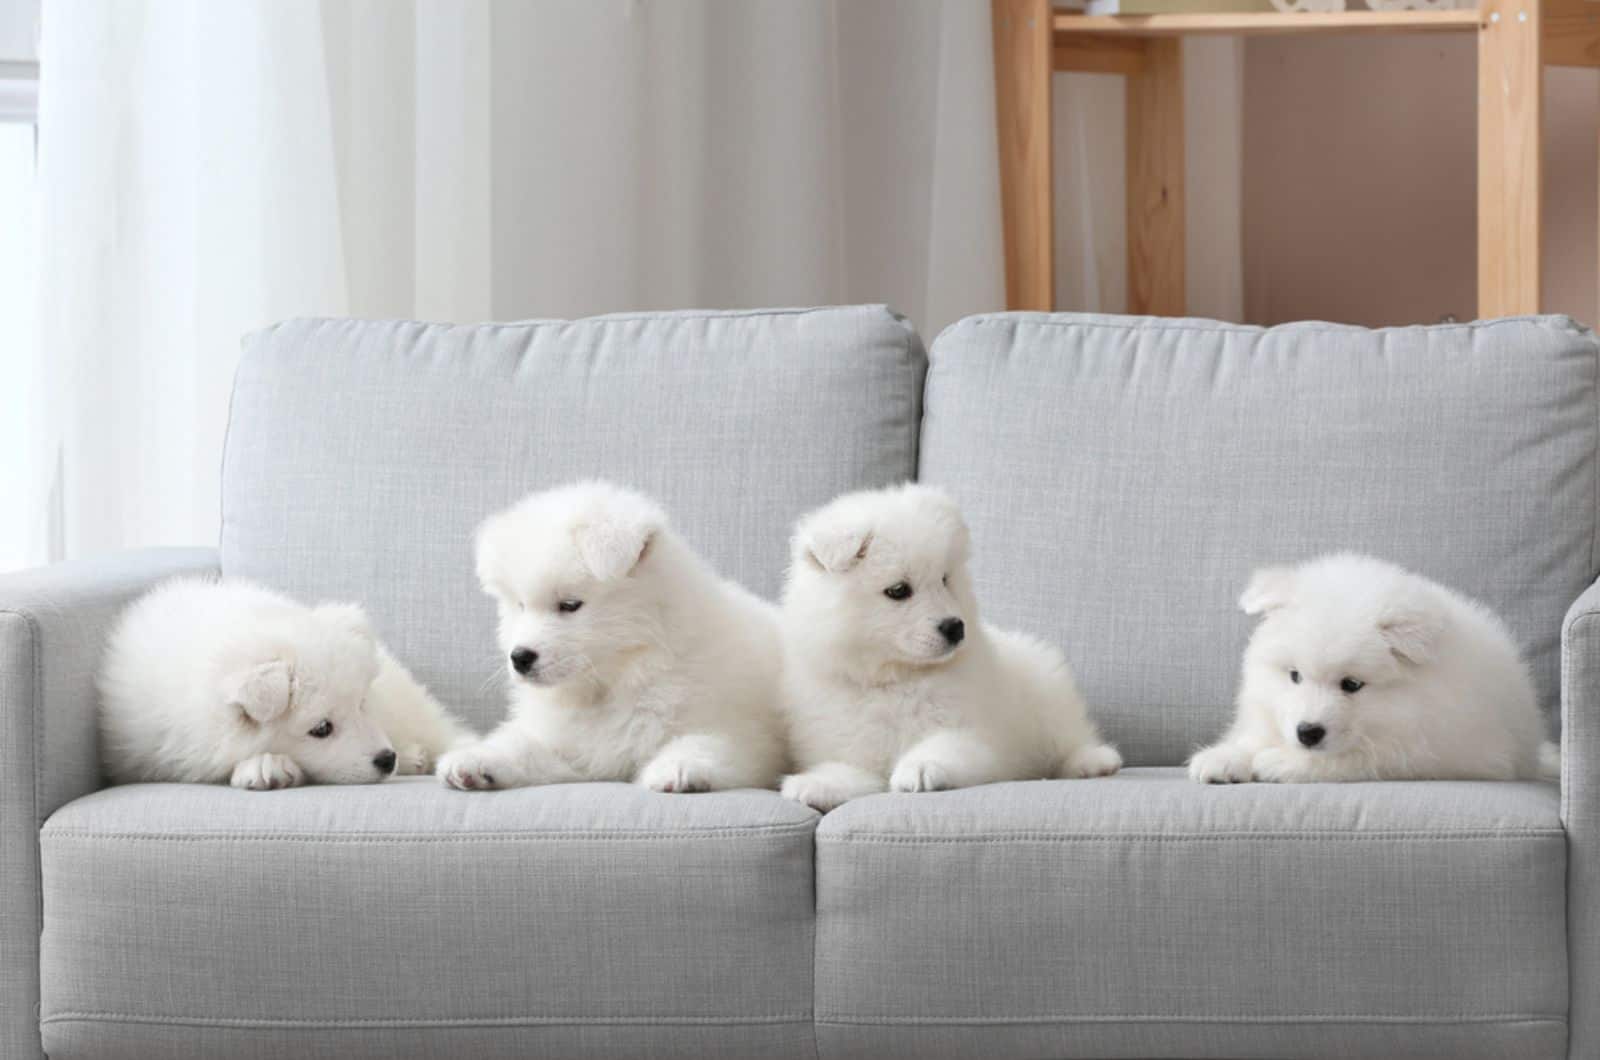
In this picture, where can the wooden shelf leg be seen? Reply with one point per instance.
(1510, 166)
(1155, 181)
(1022, 69)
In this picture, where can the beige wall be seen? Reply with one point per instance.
(1359, 187)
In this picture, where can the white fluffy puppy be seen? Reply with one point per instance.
(206, 681)
(1362, 671)
(628, 657)
(891, 679)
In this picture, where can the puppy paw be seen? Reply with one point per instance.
(1096, 760)
(673, 777)
(265, 772)
(413, 760)
(1277, 765)
(912, 775)
(1221, 764)
(809, 791)
(470, 769)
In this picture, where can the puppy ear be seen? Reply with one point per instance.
(1411, 629)
(834, 549)
(1270, 588)
(261, 692)
(613, 547)
(347, 618)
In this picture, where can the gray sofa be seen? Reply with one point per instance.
(1122, 477)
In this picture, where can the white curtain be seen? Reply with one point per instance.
(210, 166)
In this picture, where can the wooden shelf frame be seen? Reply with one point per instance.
(1032, 41)
(1263, 23)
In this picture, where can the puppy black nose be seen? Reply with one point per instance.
(952, 630)
(522, 659)
(384, 761)
(1310, 734)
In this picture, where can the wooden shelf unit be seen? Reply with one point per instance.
(1032, 41)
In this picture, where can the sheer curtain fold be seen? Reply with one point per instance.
(188, 194)
(210, 166)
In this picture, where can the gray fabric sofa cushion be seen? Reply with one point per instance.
(190, 921)
(1124, 475)
(1147, 916)
(361, 455)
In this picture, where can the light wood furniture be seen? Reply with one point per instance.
(1516, 39)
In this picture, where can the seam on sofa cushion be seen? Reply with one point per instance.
(1316, 1017)
(603, 318)
(754, 831)
(1160, 837)
(916, 408)
(1197, 324)
(89, 1016)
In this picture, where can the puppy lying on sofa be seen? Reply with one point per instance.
(1360, 670)
(208, 681)
(629, 658)
(892, 680)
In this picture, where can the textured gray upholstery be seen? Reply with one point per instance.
(1580, 813)
(52, 624)
(1124, 475)
(196, 920)
(1146, 915)
(362, 454)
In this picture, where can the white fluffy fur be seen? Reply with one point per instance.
(1444, 692)
(208, 681)
(666, 676)
(879, 699)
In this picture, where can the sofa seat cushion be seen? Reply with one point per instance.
(1146, 916)
(404, 919)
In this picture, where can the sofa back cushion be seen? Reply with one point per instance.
(1124, 475)
(362, 455)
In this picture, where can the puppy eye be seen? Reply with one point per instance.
(1350, 686)
(323, 731)
(568, 606)
(1294, 675)
(898, 591)
(946, 580)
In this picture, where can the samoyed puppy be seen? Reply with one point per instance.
(891, 679)
(205, 681)
(628, 657)
(1360, 670)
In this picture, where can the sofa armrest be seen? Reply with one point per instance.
(1580, 691)
(53, 626)
(1580, 814)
